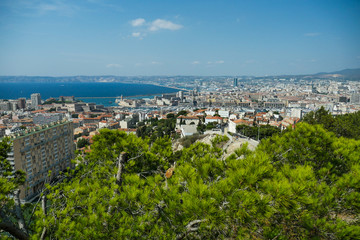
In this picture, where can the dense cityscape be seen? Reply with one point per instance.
(218, 104)
(179, 119)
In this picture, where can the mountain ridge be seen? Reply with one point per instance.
(344, 74)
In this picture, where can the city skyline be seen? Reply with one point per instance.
(65, 38)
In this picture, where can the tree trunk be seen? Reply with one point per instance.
(122, 158)
(43, 206)
(9, 227)
(18, 211)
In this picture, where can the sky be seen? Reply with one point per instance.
(188, 37)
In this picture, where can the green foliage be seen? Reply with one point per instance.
(210, 125)
(157, 128)
(10, 181)
(188, 140)
(346, 125)
(201, 128)
(170, 115)
(182, 113)
(303, 184)
(82, 143)
(261, 131)
(77, 135)
(314, 146)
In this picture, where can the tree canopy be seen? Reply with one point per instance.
(346, 125)
(302, 184)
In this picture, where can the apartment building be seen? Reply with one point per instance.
(40, 150)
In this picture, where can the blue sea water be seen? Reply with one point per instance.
(79, 90)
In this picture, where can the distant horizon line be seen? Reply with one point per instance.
(178, 75)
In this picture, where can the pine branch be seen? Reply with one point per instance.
(190, 228)
(8, 226)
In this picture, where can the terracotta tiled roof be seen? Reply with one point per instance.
(214, 117)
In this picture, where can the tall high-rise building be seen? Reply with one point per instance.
(180, 95)
(40, 150)
(355, 98)
(35, 100)
(235, 82)
(21, 103)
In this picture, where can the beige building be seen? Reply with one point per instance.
(40, 150)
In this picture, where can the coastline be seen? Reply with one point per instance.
(83, 90)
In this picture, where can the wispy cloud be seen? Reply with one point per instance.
(156, 63)
(312, 34)
(139, 35)
(195, 62)
(163, 24)
(104, 4)
(31, 8)
(136, 34)
(137, 22)
(143, 27)
(114, 65)
(50, 7)
(216, 62)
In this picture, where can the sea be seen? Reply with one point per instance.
(103, 93)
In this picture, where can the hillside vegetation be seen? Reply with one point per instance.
(303, 184)
(347, 125)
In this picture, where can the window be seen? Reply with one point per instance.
(42, 136)
(27, 141)
(28, 157)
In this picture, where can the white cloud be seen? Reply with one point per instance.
(113, 65)
(138, 22)
(136, 34)
(139, 35)
(312, 34)
(143, 27)
(155, 63)
(195, 62)
(163, 24)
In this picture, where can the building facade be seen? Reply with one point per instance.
(40, 150)
(21, 103)
(35, 100)
(235, 82)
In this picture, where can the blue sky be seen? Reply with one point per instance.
(127, 38)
